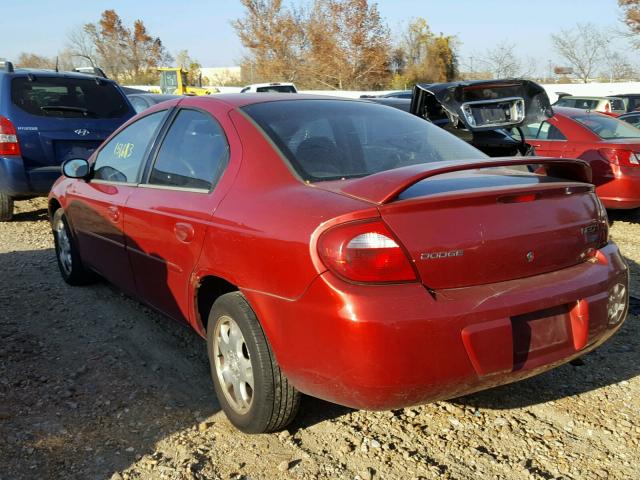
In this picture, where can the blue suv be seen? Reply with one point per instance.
(47, 117)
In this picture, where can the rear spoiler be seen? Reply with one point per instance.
(481, 105)
(385, 186)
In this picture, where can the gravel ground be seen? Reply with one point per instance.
(95, 386)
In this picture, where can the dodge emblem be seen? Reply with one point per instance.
(83, 132)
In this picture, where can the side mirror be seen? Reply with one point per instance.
(76, 168)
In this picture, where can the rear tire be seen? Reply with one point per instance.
(6, 207)
(253, 392)
(71, 268)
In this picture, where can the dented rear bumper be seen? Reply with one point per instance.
(391, 346)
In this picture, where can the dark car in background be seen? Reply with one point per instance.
(631, 101)
(142, 101)
(632, 118)
(47, 117)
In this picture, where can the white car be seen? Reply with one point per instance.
(280, 87)
(596, 104)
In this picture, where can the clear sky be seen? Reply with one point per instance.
(203, 26)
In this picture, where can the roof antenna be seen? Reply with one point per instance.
(56, 63)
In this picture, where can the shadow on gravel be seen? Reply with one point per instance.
(90, 380)
(631, 216)
(314, 411)
(30, 216)
(616, 360)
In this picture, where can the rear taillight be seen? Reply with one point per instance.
(621, 157)
(8, 138)
(365, 252)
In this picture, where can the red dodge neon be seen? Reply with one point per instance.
(611, 146)
(342, 249)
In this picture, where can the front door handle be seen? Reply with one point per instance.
(114, 213)
(184, 232)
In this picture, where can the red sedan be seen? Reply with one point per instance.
(342, 249)
(611, 146)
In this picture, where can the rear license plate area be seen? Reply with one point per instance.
(540, 333)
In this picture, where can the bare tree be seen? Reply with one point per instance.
(502, 62)
(582, 47)
(80, 44)
(32, 60)
(618, 67)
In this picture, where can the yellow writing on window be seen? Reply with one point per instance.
(123, 150)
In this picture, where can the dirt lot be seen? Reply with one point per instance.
(95, 386)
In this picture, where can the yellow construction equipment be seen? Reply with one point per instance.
(173, 81)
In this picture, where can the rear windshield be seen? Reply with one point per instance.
(608, 128)
(277, 89)
(333, 139)
(68, 97)
(583, 103)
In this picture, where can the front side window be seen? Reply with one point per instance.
(333, 139)
(607, 128)
(194, 153)
(120, 159)
(68, 97)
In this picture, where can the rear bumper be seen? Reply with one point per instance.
(385, 347)
(623, 191)
(18, 182)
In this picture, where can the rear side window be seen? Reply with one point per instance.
(333, 139)
(62, 97)
(617, 104)
(607, 128)
(194, 153)
(543, 131)
(120, 159)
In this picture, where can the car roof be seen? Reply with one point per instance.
(581, 97)
(243, 99)
(41, 72)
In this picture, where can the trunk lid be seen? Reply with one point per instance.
(466, 225)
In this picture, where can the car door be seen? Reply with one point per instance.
(95, 207)
(546, 137)
(169, 214)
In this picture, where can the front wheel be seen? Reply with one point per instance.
(253, 392)
(69, 262)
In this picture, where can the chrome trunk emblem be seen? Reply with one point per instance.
(83, 132)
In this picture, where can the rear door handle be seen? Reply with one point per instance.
(114, 213)
(184, 232)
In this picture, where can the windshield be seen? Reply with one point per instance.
(608, 128)
(333, 139)
(583, 103)
(277, 89)
(68, 97)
